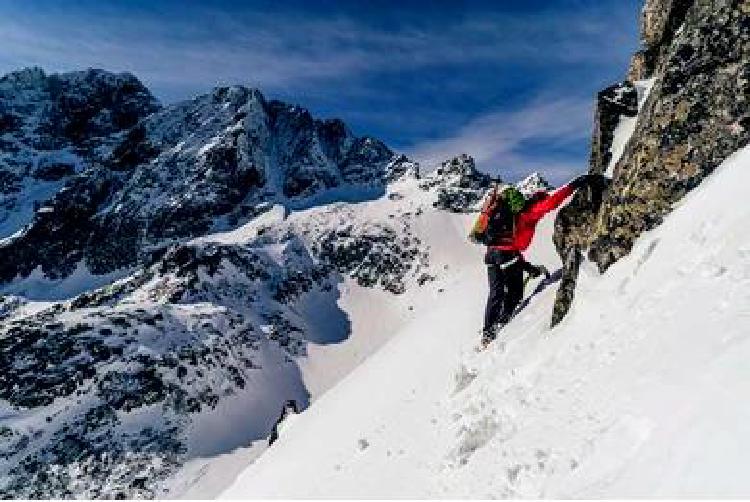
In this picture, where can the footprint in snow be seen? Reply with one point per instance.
(463, 378)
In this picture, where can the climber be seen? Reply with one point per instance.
(506, 226)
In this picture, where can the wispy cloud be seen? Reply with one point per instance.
(201, 47)
(503, 142)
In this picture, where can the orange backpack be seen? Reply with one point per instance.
(497, 218)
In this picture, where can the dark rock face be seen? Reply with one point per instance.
(574, 222)
(696, 115)
(612, 103)
(53, 127)
(79, 108)
(61, 230)
(691, 122)
(458, 184)
(566, 291)
(660, 20)
(94, 103)
(53, 171)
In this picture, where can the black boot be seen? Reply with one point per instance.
(490, 335)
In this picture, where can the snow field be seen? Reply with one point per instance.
(639, 392)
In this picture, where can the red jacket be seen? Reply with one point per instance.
(526, 220)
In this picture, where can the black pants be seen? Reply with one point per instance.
(506, 286)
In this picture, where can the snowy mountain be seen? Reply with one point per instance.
(176, 277)
(203, 165)
(53, 127)
(173, 277)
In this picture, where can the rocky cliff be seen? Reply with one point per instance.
(54, 127)
(695, 62)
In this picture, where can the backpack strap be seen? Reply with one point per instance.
(490, 204)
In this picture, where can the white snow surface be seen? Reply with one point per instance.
(640, 391)
(336, 344)
(626, 126)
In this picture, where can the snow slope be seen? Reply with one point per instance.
(626, 125)
(638, 392)
(333, 350)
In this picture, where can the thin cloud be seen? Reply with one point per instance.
(498, 140)
(282, 51)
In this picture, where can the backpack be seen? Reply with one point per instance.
(497, 220)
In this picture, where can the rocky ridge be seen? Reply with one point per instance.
(172, 173)
(54, 127)
(217, 216)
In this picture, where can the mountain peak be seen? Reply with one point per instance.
(458, 183)
(151, 175)
(24, 78)
(533, 183)
(461, 165)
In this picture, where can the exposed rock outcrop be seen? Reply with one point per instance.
(696, 115)
(459, 186)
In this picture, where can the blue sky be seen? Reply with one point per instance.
(510, 82)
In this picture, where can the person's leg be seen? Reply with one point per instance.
(495, 297)
(514, 291)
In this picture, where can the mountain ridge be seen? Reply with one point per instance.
(172, 172)
(178, 271)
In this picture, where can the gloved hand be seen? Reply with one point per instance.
(538, 270)
(543, 270)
